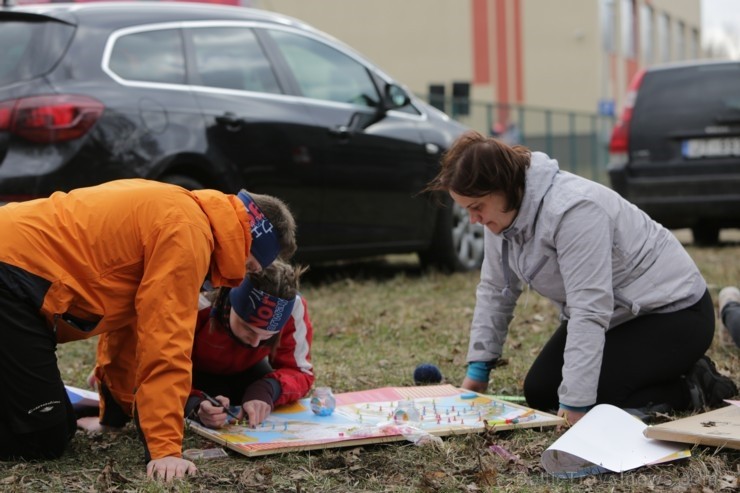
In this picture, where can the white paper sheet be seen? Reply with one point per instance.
(81, 397)
(606, 439)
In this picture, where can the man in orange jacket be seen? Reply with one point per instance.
(125, 259)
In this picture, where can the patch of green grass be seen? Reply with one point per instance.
(374, 321)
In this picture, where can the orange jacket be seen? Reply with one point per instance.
(127, 259)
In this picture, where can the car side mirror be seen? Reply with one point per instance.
(395, 97)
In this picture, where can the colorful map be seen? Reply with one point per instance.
(367, 416)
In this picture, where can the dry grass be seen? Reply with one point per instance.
(375, 321)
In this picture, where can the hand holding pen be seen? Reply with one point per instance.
(213, 412)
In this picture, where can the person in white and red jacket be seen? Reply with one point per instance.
(252, 348)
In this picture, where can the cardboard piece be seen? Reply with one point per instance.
(606, 439)
(365, 417)
(718, 428)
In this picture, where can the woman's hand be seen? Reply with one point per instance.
(571, 417)
(256, 411)
(474, 385)
(211, 415)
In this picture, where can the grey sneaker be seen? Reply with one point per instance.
(707, 387)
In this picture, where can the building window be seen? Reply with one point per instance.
(608, 21)
(646, 34)
(679, 38)
(664, 38)
(628, 29)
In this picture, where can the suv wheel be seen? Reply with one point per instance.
(456, 245)
(182, 181)
(705, 235)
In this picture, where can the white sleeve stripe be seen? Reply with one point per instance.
(300, 353)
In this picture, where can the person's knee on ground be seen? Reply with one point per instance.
(45, 443)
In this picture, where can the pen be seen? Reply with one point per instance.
(526, 416)
(217, 403)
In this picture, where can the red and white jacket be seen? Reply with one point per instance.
(216, 352)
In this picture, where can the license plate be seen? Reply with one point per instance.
(716, 147)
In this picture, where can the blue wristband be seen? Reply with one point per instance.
(479, 370)
(582, 409)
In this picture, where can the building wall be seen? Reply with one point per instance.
(417, 42)
(563, 56)
(570, 55)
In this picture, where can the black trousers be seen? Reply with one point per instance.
(643, 362)
(37, 420)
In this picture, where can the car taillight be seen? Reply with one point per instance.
(619, 143)
(49, 119)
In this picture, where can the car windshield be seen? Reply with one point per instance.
(30, 48)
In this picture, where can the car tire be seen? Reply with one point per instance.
(182, 181)
(705, 235)
(457, 245)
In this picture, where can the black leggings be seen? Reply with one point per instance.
(643, 363)
(37, 420)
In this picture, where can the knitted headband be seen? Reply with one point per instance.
(259, 309)
(265, 243)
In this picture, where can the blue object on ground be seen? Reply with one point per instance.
(427, 373)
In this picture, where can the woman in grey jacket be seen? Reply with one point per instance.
(636, 314)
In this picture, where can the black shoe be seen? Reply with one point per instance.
(707, 387)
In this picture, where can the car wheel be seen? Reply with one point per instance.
(456, 245)
(705, 235)
(182, 181)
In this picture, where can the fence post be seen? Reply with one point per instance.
(595, 175)
(548, 132)
(522, 133)
(489, 118)
(572, 141)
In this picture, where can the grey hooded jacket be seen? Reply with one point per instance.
(599, 258)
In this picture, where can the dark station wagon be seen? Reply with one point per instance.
(223, 97)
(676, 150)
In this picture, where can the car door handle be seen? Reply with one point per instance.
(229, 120)
(341, 132)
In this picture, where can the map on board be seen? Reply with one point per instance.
(367, 417)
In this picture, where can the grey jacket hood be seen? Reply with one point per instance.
(600, 259)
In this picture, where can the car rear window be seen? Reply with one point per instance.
(30, 48)
(697, 95)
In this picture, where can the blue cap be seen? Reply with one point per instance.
(259, 309)
(265, 243)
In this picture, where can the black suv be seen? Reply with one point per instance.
(676, 150)
(222, 97)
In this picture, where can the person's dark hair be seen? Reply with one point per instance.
(476, 166)
(279, 279)
(281, 218)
